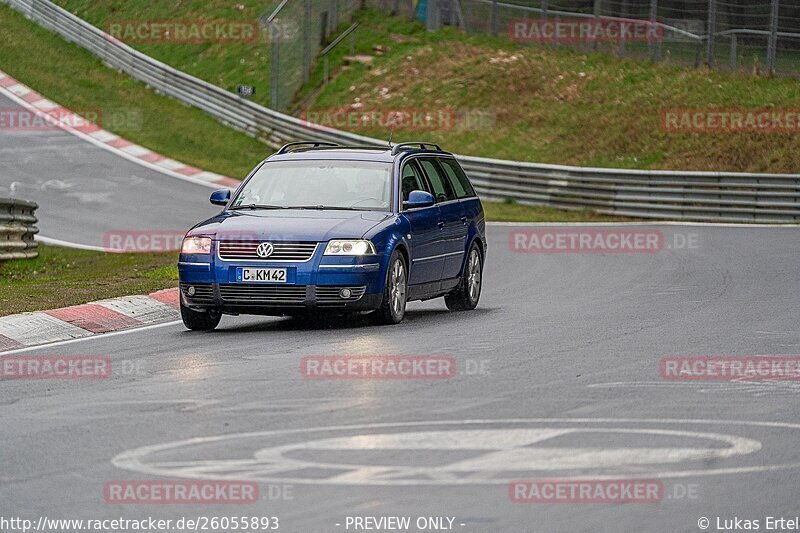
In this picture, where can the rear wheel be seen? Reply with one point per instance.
(200, 320)
(393, 306)
(465, 297)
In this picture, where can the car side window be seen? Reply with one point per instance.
(412, 180)
(441, 188)
(458, 179)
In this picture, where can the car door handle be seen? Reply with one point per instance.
(440, 223)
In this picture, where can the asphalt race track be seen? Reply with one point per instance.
(570, 341)
(557, 377)
(85, 192)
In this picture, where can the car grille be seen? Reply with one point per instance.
(330, 295)
(282, 251)
(203, 292)
(263, 294)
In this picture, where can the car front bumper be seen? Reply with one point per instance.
(323, 283)
(277, 300)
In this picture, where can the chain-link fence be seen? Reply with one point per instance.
(753, 35)
(298, 29)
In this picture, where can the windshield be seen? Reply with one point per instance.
(318, 184)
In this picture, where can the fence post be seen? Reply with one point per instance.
(455, 9)
(598, 9)
(773, 36)
(306, 40)
(734, 46)
(712, 29)
(655, 46)
(698, 55)
(545, 6)
(333, 20)
(493, 18)
(275, 74)
(432, 22)
(624, 14)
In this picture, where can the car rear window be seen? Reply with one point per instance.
(441, 188)
(458, 179)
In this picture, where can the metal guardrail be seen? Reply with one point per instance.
(17, 229)
(706, 196)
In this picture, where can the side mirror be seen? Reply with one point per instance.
(221, 197)
(418, 199)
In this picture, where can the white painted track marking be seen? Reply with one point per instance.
(243, 468)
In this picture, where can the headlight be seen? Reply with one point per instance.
(350, 247)
(196, 245)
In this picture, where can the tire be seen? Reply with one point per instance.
(200, 320)
(395, 293)
(466, 295)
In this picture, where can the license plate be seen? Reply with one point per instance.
(261, 275)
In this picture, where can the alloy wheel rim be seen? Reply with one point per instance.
(398, 288)
(474, 276)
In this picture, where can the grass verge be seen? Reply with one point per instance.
(500, 99)
(60, 277)
(514, 212)
(550, 105)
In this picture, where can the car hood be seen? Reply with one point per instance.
(289, 225)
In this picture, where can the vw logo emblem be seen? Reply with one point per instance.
(265, 249)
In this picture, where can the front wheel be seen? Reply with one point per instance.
(465, 297)
(200, 320)
(393, 306)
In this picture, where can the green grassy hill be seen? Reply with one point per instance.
(533, 103)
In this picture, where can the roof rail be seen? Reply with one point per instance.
(421, 145)
(314, 144)
(347, 147)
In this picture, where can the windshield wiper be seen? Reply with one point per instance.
(258, 206)
(325, 207)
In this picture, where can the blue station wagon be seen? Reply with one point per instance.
(319, 227)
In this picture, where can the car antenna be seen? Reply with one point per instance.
(391, 133)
